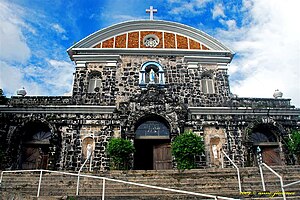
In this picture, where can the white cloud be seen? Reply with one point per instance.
(268, 48)
(11, 36)
(174, 1)
(58, 28)
(7, 81)
(190, 7)
(60, 76)
(23, 61)
(11, 83)
(64, 37)
(126, 17)
(230, 24)
(218, 11)
(55, 79)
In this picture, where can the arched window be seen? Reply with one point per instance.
(263, 133)
(152, 129)
(208, 86)
(151, 73)
(207, 83)
(94, 82)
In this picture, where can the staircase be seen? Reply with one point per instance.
(222, 182)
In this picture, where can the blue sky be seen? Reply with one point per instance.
(34, 37)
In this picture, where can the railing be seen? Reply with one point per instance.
(237, 170)
(293, 183)
(104, 179)
(280, 178)
(89, 157)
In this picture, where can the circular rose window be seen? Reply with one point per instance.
(151, 40)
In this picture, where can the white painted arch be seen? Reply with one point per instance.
(147, 25)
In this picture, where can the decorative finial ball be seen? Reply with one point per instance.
(21, 92)
(277, 94)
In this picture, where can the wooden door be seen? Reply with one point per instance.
(34, 158)
(271, 155)
(44, 162)
(31, 158)
(162, 158)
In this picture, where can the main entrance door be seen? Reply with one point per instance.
(152, 154)
(162, 158)
(152, 145)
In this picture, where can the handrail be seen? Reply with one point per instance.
(1, 177)
(237, 169)
(293, 183)
(280, 178)
(80, 169)
(120, 181)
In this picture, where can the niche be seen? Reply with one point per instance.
(87, 142)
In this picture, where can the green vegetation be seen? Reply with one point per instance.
(119, 151)
(294, 143)
(185, 147)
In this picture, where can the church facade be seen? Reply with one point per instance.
(146, 81)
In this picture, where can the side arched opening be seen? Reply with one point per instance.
(265, 139)
(35, 146)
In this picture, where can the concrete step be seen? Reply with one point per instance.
(209, 181)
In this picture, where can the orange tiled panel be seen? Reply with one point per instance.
(121, 41)
(182, 42)
(194, 44)
(98, 45)
(133, 40)
(169, 40)
(158, 34)
(204, 47)
(108, 43)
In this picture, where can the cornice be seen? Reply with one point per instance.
(84, 109)
(96, 54)
(243, 111)
(76, 109)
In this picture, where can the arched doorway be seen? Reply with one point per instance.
(263, 136)
(152, 144)
(35, 146)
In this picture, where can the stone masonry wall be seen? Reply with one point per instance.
(106, 94)
(121, 82)
(179, 80)
(120, 88)
(237, 128)
(66, 143)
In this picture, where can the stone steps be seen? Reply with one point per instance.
(221, 182)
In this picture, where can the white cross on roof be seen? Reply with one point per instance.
(151, 11)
